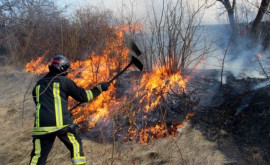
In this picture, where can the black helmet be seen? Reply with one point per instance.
(59, 63)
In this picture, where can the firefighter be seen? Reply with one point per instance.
(52, 117)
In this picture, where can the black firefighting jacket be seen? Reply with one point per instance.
(51, 98)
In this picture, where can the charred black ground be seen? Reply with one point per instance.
(236, 112)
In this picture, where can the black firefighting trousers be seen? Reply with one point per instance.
(70, 136)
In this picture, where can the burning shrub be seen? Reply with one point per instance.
(138, 107)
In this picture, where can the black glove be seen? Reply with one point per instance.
(103, 86)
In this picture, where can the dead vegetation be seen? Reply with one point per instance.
(16, 141)
(231, 122)
(216, 134)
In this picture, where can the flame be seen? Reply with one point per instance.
(259, 55)
(157, 84)
(242, 74)
(158, 131)
(95, 70)
(131, 27)
(153, 87)
(87, 73)
(36, 66)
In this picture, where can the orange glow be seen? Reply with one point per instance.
(189, 115)
(152, 88)
(157, 84)
(242, 74)
(131, 27)
(97, 68)
(36, 66)
(160, 131)
(259, 55)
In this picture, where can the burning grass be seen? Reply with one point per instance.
(136, 107)
(214, 135)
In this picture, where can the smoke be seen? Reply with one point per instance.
(238, 55)
(261, 85)
(245, 68)
(240, 109)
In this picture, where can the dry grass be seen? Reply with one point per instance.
(16, 141)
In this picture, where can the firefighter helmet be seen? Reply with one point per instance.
(60, 63)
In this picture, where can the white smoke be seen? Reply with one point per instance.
(240, 58)
(261, 85)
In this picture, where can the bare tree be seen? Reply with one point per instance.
(255, 29)
(31, 27)
(175, 40)
(230, 7)
(26, 25)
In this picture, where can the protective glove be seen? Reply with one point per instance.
(103, 86)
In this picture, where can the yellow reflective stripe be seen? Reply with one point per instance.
(75, 144)
(35, 158)
(37, 115)
(46, 130)
(89, 95)
(57, 104)
(37, 93)
(38, 105)
(79, 160)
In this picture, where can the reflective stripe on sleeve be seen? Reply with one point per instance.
(35, 158)
(89, 95)
(38, 105)
(57, 104)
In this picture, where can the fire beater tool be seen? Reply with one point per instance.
(134, 52)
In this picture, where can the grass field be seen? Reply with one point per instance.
(17, 118)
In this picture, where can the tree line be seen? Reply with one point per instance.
(171, 35)
(31, 27)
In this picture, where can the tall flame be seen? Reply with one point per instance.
(157, 84)
(36, 66)
(153, 87)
